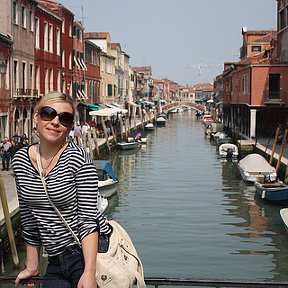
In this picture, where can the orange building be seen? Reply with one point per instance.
(255, 89)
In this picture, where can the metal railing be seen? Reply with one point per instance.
(180, 282)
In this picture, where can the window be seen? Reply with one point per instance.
(37, 34)
(110, 90)
(31, 21)
(24, 75)
(37, 78)
(70, 30)
(256, 49)
(58, 42)
(31, 76)
(46, 37)
(281, 20)
(63, 26)
(63, 59)
(51, 38)
(58, 80)
(23, 17)
(51, 88)
(16, 74)
(15, 13)
(46, 80)
(70, 60)
(274, 86)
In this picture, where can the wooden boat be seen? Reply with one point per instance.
(228, 151)
(276, 192)
(284, 216)
(128, 145)
(254, 167)
(107, 179)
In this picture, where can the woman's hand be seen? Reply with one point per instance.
(25, 274)
(87, 280)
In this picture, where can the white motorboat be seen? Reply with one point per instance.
(176, 110)
(228, 151)
(138, 136)
(128, 145)
(149, 127)
(161, 121)
(255, 168)
(284, 216)
(102, 203)
(107, 179)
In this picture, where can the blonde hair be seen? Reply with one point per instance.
(53, 97)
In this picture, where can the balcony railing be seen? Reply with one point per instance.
(26, 93)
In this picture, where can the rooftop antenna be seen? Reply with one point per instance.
(82, 15)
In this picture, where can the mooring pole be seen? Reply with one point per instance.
(8, 222)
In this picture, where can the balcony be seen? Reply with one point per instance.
(27, 93)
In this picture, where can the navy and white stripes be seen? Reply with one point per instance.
(72, 186)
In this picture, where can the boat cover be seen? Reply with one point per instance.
(256, 163)
(105, 165)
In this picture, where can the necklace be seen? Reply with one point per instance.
(44, 171)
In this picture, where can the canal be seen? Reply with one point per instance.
(191, 215)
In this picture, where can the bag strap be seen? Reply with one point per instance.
(40, 169)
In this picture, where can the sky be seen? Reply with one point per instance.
(186, 41)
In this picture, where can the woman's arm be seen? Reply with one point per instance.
(90, 248)
(32, 263)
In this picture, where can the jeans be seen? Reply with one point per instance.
(5, 160)
(65, 270)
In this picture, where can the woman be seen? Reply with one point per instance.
(72, 185)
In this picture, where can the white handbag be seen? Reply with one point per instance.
(120, 266)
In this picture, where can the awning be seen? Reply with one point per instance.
(90, 106)
(132, 104)
(106, 112)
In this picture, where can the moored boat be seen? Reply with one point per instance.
(107, 179)
(228, 151)
(161, 121)
(276, 192)
(128, 145)
(254, 167)
(102, 203)
(284, 216)
(149, 127)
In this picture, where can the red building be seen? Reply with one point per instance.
(92, 60)
(66, 44)
(6, 48)
(48, 68)
(255, 89)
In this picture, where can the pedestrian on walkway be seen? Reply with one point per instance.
(72, 182)
(6, 145)
(34, 136)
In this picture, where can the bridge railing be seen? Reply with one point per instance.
(183, 103)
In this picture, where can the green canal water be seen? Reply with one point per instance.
(191, 215)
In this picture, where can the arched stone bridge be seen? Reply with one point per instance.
(174, 105)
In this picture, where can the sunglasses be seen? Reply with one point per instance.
(48, 114)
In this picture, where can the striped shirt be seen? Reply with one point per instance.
(72, 186)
